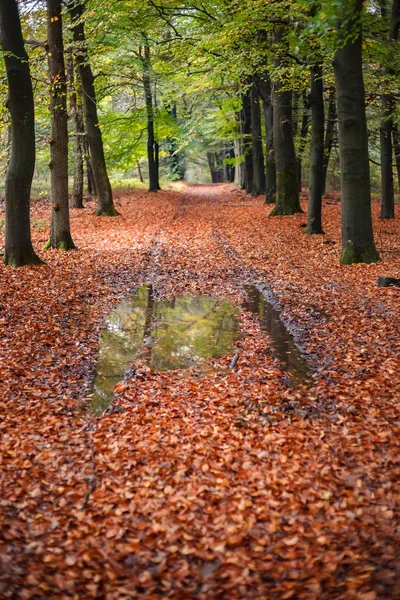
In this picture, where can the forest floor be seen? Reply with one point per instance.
(206, 483)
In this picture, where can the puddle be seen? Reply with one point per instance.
(164, 335)
(284, 347)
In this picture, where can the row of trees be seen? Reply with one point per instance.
(258, 84)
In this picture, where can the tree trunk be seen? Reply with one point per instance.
(239, 166)
(387, 123)
(357, 236)
(396, 146)
(153, 176)
(305, 124)
(246, 136)
(386, 130)
(18, 244)
(270, 176)
(329, 134)
(256, 142)
(78, 132)
(105, 204)
(287, 192)
(91, 184)
(176, 161)
(60, 234)
(139, 170)
(216, 167)
(314, 217)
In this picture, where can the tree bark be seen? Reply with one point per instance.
(60, 234)
(270, 171)
(386, 130)
(287, 193)
(396, 146)
(305, 125)
(329, 134)
(105, 204)
(357, 235)
(151, 157)
(314, 217)
(216, 167)
(246, 136)
(239, 166)
(78, 132)
(18, 244)
(258, 187)
(387, 123)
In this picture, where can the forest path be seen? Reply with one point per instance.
(208, 482)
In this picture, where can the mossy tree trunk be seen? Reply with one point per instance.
(270, 171)
(258, 187)
(331, 121)
(357, 235)
(60, 234)
(287, 192)
(314, 216)
(78, 132)
(18, 244)
(105, 204)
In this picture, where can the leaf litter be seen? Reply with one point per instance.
(210, 482)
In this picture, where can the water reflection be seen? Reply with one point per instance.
(165, 335)
(284, 347)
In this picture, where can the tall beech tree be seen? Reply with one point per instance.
(18, 244)
(387, 120)
(287, 190)
(152, 153)
(316, 187)
(258, 187)
(105, 204)
(357, 235)
(331, 120)
(245, 128)
(264, 85)
(78, 132)
(60, 235)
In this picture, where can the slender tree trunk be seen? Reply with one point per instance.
(314, 217)
(90, 182)
(18, 244)
(256, 142)
(357, 235)
(78, 132)
(105, 204)
(239, 166)
(386, 130)
(139, 170)
(396, 146)
(287, 192)
(246, 136)
(387, 123)
(153, 179)
(270, 175)
(216, 167)
(60, 233)
(176, 164)
(305, 125)
(329, 134)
